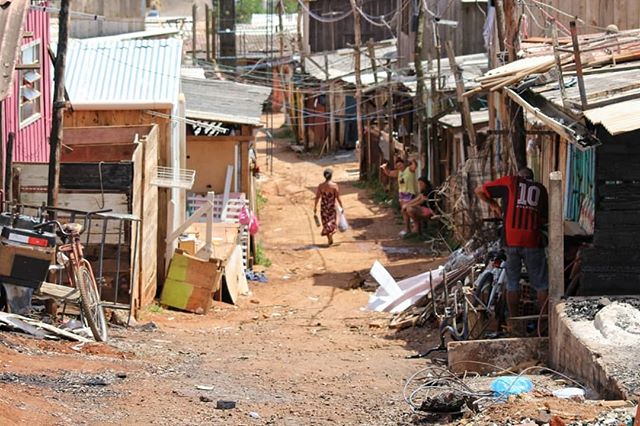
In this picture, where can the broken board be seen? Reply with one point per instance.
(191, 283)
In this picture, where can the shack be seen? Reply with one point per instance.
(107, 168)
(134, 82)
(238, 109)
(583, 126)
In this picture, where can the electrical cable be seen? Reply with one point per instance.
(322, 19)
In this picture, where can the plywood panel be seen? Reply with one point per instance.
(150, 224)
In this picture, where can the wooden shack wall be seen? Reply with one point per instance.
(612, 265)
(210, 156)
(596, 14)
(136, 117)
(146, 195)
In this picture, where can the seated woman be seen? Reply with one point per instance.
(420, 207)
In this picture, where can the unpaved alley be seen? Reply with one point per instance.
(298, 351)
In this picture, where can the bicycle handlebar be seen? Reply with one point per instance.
(51, 222)
(59, 225)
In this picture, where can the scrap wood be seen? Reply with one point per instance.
(11, 319)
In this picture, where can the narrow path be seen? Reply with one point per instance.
(298, 351)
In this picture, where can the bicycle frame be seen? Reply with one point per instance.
(75, 258)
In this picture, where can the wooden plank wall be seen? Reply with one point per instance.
(596, 14)
(136, 117)
(612, 265)
(150, 224)
(121, 16)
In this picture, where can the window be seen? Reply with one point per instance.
(30, 84)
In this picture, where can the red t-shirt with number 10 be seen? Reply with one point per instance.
(524, 209)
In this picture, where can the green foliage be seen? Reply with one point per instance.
(284, 132)
(155, 309)
(261, 200)
(291, 6)
(245, 8)
(376, 191)
(261, 256)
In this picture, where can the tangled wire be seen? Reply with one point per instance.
(437, 390)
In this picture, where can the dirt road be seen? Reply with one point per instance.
(298, 351)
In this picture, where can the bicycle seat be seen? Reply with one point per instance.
(72, 228)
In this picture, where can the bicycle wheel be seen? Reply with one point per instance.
(460, 319)
(482, 290)
(91, 304)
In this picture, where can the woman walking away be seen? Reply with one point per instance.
(329, 192)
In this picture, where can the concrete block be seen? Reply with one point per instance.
(514, 353)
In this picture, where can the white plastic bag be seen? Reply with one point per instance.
(342, 221)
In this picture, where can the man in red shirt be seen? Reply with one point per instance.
(524, 212)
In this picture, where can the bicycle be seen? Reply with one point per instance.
(70, 255)
(490, 285)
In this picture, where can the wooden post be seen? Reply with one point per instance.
(422, 122)
(332, 130)
(578, 60)
(194, 31)
(374, 68)
(281, 27)
(500, 24)
(463, 101)
(556, 236)
(512, 43)
(556, 259)
(55, 140)
(8, 171)
(556, 53)
(357, 70)
(214, 30)
(392, 145)
(207, 25)
(209, 229)
(516, 113)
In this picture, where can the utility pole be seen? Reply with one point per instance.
(422, 125)
(374, 67)
(207, 28)
(281, 27)
(59, 104)
(356, 59)
(194, 31)
(214, 29)
(516, 113)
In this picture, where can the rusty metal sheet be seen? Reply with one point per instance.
(12, 17)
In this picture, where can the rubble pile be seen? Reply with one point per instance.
(586, 309)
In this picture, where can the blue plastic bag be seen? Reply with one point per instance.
(511, 385)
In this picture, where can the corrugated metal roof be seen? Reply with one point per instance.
(227, 101)
(12, 17)
(473, 66)
(455, 120)
(341, 63)
(129, 71)
(617, 118)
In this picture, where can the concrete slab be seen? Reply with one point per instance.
(598, 342)
(513, 353)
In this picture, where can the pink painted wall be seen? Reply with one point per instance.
(32, 141)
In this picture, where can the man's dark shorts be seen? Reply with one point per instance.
(535, 260)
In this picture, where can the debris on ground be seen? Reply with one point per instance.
(37, 328)
(437, 395)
